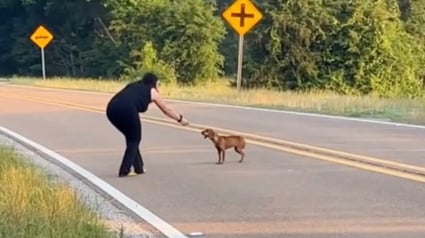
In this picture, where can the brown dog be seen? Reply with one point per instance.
(222, 143)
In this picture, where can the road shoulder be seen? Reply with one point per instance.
(114, 217)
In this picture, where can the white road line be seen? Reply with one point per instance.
(144, 213)
(305, 114)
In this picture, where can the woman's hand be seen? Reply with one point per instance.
(183, 121)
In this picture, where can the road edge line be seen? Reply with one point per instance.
(100, 184)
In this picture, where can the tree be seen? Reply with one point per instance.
(287, 44)
(186, 33)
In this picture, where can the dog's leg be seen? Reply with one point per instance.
(222, 157)
(239, 151)
(219, 156)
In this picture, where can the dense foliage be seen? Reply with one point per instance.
(355, 47)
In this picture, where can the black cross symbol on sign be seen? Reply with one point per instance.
(242, 15)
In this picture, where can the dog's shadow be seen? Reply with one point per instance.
(214, 162)
(201, 163)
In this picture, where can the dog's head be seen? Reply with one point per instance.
(208, 133)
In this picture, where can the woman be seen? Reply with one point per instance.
(123, 112)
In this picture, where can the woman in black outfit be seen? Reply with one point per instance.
(123, 112)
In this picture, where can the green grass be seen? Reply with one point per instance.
(31, 205)
(399, 110)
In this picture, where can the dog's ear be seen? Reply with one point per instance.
(205, 133)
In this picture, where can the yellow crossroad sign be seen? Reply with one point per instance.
(242, 15)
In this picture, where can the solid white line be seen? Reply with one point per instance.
(305, 114)
(144, 213)
(318, 115)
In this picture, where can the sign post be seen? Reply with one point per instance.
(42, 37)
(242, 16)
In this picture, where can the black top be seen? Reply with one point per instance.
(136, 95)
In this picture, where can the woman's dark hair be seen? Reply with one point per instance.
(149, 79)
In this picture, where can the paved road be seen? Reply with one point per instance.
(272, 194)
(399, 144)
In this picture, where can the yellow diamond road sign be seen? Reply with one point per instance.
(41, 37)
(242, 15)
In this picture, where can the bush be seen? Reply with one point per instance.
(146, 60)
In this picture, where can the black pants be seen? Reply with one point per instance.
(127, 121)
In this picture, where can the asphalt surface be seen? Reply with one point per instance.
(271, 194)
(400, 144)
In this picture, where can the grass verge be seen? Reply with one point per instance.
(32, 206)
(398, 110)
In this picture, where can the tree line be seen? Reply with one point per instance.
(351, 47)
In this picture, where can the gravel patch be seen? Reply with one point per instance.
(121, 224)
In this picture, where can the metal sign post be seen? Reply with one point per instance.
(42, 37)
(242, 16)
